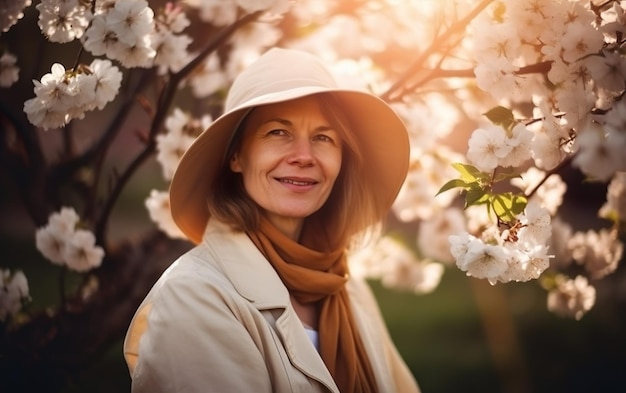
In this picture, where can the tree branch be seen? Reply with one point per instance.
(164, 102)
(456, 28)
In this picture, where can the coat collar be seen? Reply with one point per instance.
(255, 279)
(244, 265)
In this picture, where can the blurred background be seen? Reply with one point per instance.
(465, 336)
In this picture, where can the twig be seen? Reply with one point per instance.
(454, 29)
(554, 170)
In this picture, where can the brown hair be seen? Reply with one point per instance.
(349, 210)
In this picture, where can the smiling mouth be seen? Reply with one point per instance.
(297, 182)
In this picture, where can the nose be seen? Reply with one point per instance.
(301, 152)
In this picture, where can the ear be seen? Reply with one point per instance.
(235, 164)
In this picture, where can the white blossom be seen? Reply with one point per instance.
(131, 20)
(529, 18)
(174, 17)
(498, 78)
(12, 11)
(599, 252)
(64, 244)
(249, 42)
(487, 146)
(615, 198)
(63, 21)
(13, 292)
(124, 32)
(520, 147)
(396, 266)
(536, 224)
(64, 221)
(575, 97)
(158, 205)
(100, 39)
(108, 81)
(526, 262)
(9, 72)
(483, 260)
(181, 132)
(65, 95)
(599, 155)
(608, 71)
(546, 151)
(496, 42)
(81, 253)
(170, 148)
(572, 298)
(169, 44)
(40, 114)
(432, 236)
(140, 55)
(51, 239)
(209, 77)
(51, 244)
(171, 51)
(580, 40)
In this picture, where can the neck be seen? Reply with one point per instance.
(290, 227)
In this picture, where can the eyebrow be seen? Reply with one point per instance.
(286, 122)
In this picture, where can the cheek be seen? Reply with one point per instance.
(334, 166)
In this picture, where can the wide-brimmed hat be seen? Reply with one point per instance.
(282, 75)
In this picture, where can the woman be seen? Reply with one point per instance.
(273, 193)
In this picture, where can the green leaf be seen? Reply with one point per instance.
(505, 174)
(502, 117)
(469, 173)
(476, 196)
(508, 205)
(519, 204)
(454, 183)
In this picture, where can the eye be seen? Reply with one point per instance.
(330, 137)
(277, 131)
(324, 138)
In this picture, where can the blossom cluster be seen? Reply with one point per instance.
(572, 297)
(13, 293)
(63, 95)
(181, 131)
(586, 71)
(516, 254)
(11, 12)
(396, 266)
(63, 243)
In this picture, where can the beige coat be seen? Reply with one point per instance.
(220, 320)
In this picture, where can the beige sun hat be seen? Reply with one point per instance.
(282, 75)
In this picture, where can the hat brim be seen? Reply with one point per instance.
(381, 133)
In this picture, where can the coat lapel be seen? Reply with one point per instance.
(255, 279)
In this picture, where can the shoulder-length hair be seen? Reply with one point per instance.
(349, 210)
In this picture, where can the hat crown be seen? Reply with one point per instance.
(275, 72)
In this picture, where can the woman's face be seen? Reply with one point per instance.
(289, 158)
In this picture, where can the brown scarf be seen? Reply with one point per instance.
(313, 276)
